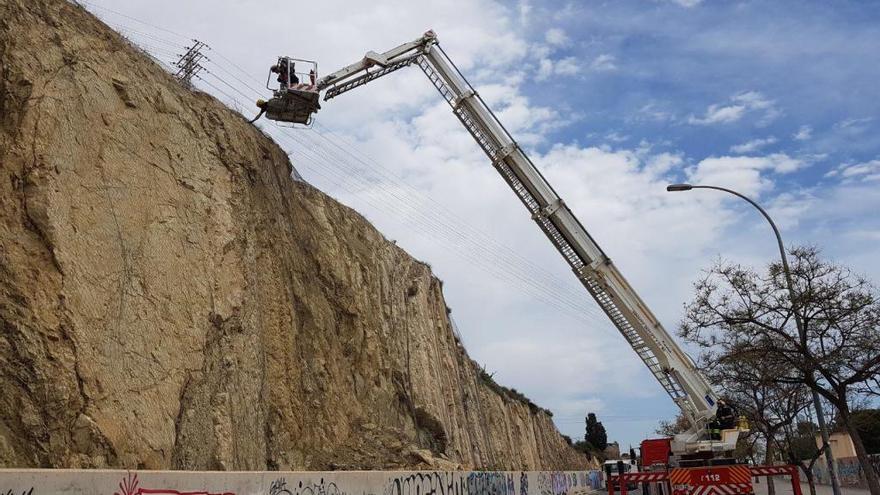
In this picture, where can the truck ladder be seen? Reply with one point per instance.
(671, 367)
(497, 154)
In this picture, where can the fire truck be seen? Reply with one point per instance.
(695, 462)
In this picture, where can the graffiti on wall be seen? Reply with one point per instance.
(490, 483)
(487, 483)
(130, 486)
(426, 483)
(849, 472)
(279, 487)
(28, 491)
(116, 482)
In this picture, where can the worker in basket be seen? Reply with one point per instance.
(286, 74)
(725, 419)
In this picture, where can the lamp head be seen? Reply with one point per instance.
(679, 187)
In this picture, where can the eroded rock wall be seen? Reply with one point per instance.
(169, 298)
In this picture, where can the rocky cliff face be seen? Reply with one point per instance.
(169, 298)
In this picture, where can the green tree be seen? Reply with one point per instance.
(867, 423)
(798, 446)
(802, 440)
(595, 434)
(585, 447)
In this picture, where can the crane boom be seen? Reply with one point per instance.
(674, 369)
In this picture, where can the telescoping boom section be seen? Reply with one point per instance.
(652, 343)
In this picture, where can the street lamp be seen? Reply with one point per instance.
(679, 187)
(820, 415)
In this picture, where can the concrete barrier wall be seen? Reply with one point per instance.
(112, 482)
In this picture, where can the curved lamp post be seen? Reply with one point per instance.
(817, 405)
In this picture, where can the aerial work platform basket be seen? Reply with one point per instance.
(295, 99)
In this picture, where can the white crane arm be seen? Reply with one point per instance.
(653, 344)
(392, 57)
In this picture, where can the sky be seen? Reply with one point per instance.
(612, 101)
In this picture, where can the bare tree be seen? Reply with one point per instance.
(738, 313)
(750, 386)
(670, 428)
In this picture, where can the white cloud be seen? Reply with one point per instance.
(752, 100)
(859, 172)
(804, 133)
(567, 66)
(616, 137)
(753, 145)
(687, 3)
(653, 112)
(548, 68)
(525, 12)
(718, 114)
(739, 105)
(743, 173)
(854, 124)
(545, 69)
(604, 62)
(662, 163)
(556, 37)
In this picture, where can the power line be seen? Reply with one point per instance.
(215, 88)
(538, 273)
(126, 16)
(226, 84)
(495, 246)
(552, 284)
(128, 30)
(499, 253)
(454, 239)
(540, 283)
(189, 64)
(391, 207)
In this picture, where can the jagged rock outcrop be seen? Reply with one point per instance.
(169, 298)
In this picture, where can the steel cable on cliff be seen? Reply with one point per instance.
(126, 16)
